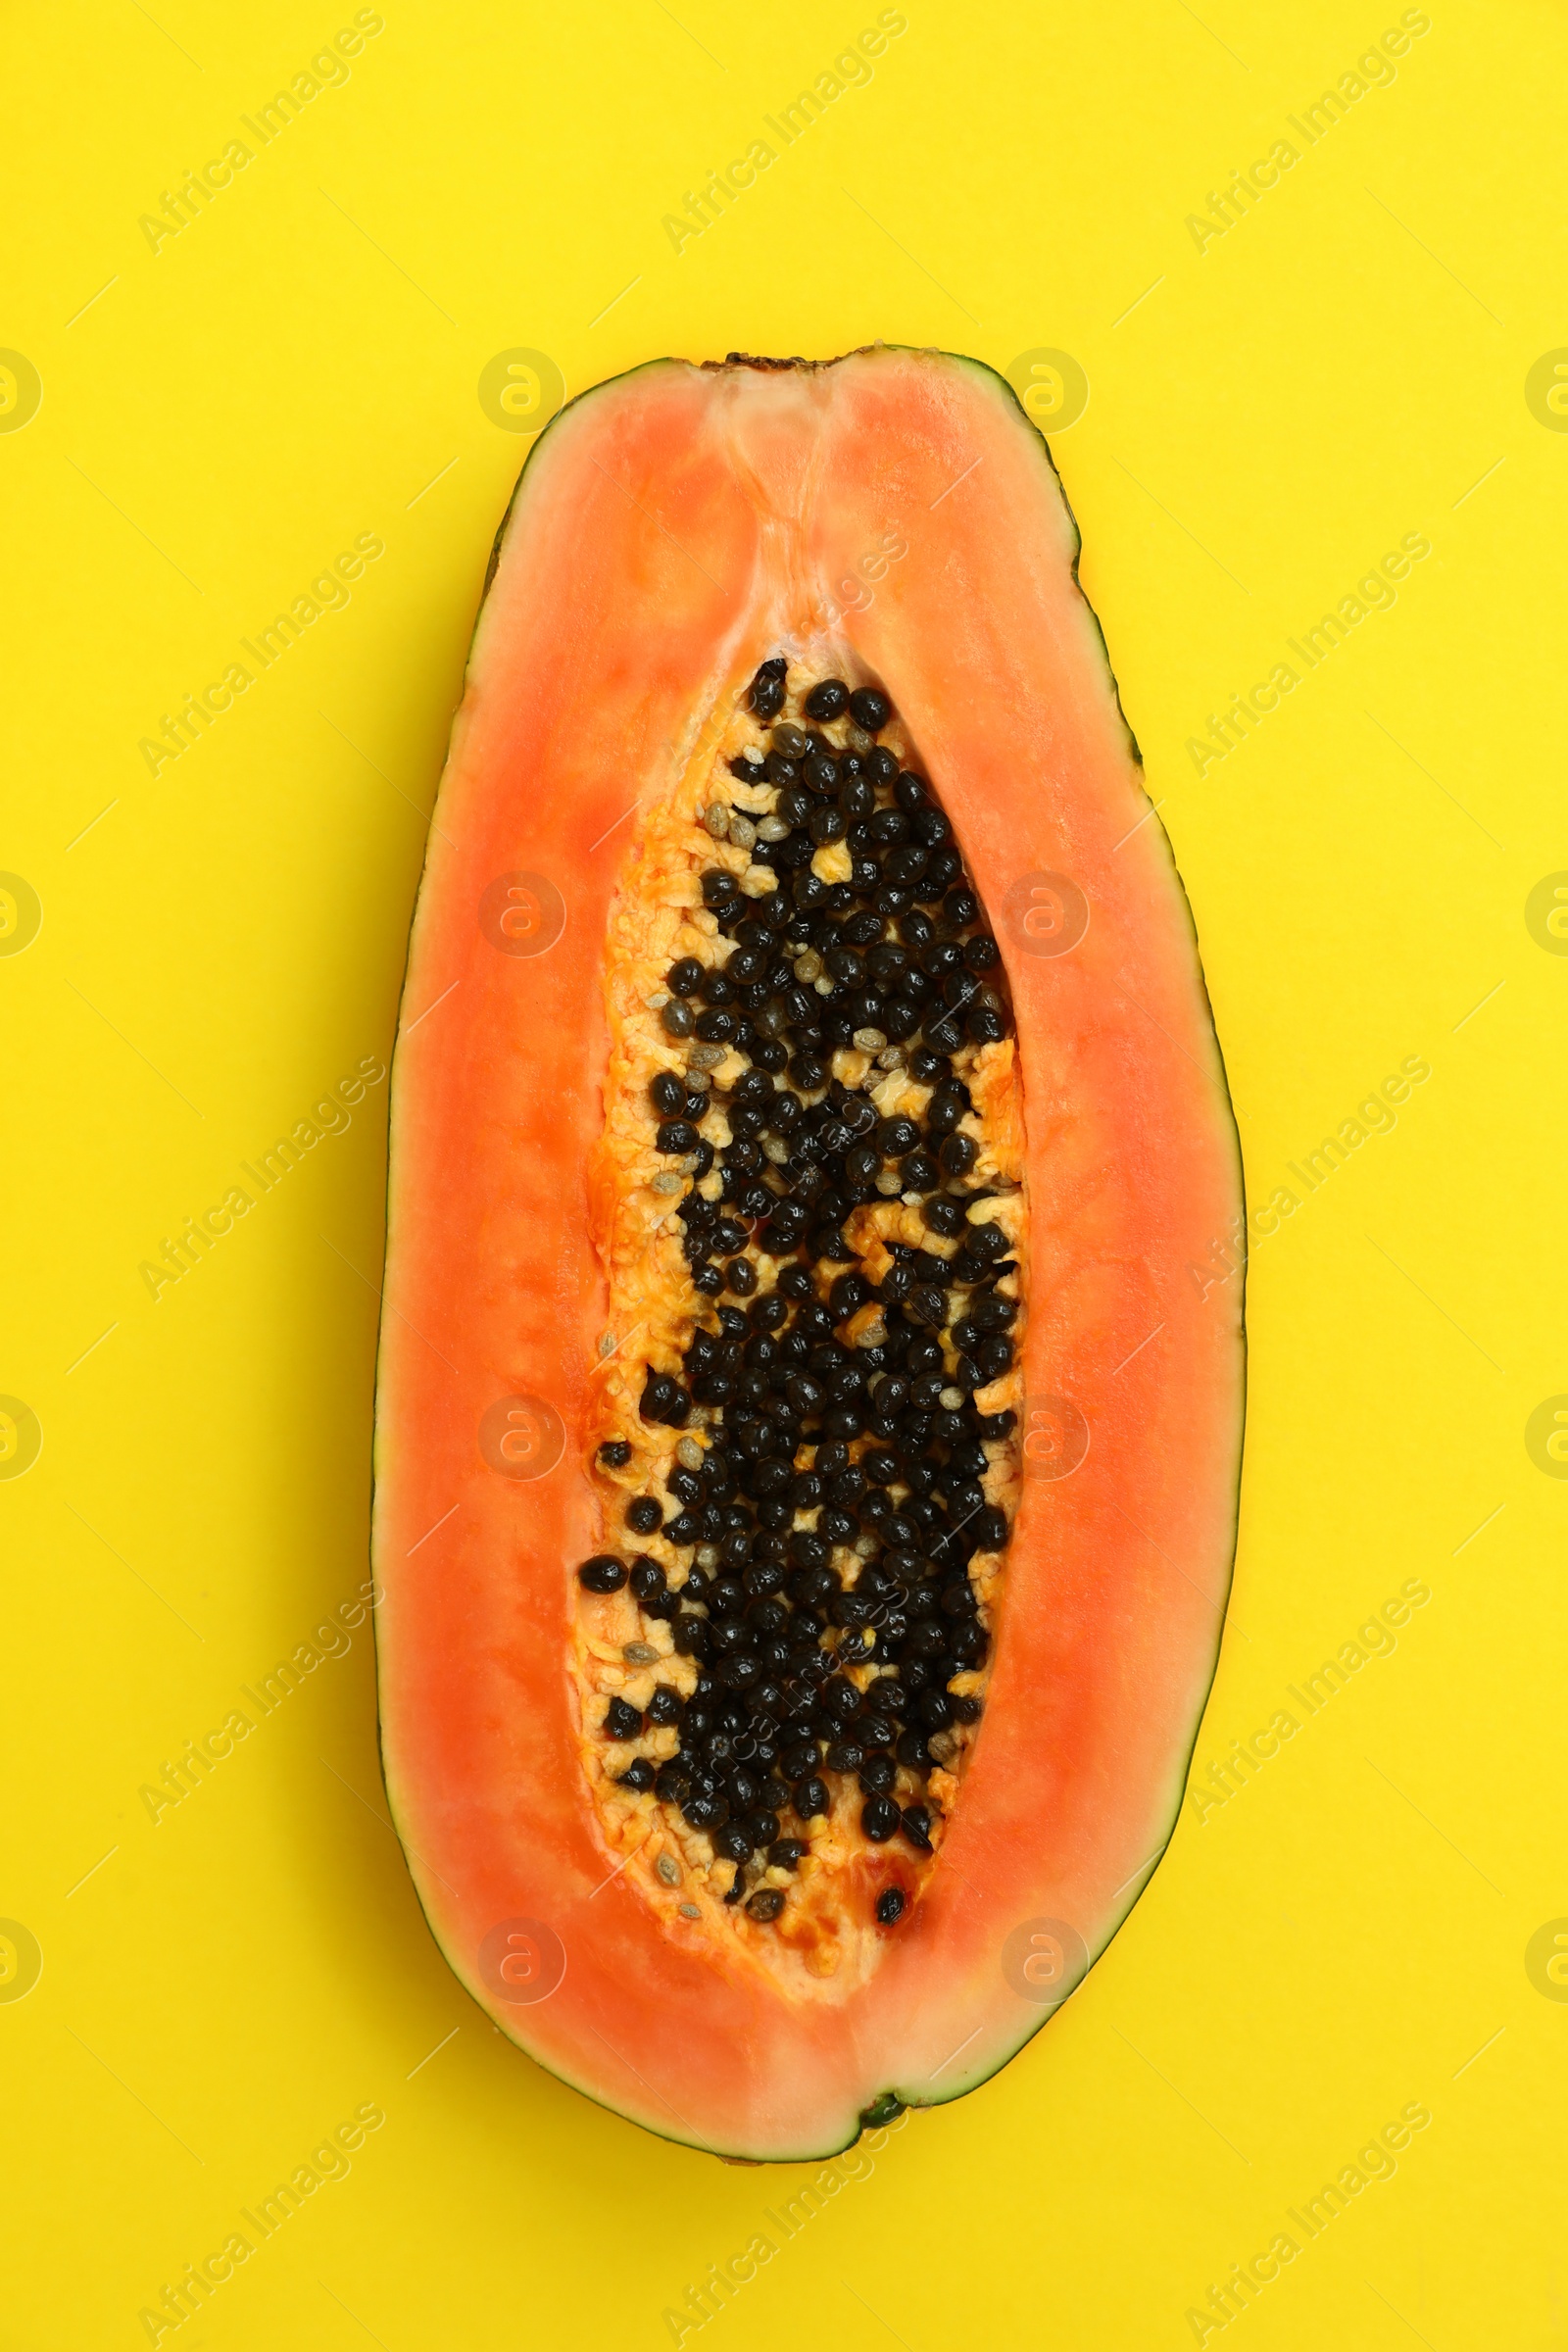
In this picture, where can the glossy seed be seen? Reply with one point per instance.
(916, 1823)
(890, 1905)
(766, 694)
(615, 1453)
(827, 700)
(663, 1399)
(766, 1903)
(602, 1574)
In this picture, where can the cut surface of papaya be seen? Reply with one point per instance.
(806, 1455)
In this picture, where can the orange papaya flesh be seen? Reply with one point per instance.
(559, 1462)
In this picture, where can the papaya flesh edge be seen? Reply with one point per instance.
(671, 529)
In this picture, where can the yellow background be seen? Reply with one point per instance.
(226, 939)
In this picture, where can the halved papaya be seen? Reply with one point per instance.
(807, 1426)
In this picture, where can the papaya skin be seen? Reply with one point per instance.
(601, 649)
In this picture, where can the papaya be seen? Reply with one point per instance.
(810, 1380)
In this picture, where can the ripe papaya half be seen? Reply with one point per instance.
(806, 1460)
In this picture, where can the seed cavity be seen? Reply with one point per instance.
(833, 1550)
